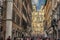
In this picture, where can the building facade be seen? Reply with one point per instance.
(56, 16)
(47, 22)
(2, 19)
(52, 18)
(16, 18)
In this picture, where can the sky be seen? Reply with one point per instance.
(38, 3)
(34, 1)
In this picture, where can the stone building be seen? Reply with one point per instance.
(47, 22)
(16, 18)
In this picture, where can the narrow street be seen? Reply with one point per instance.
(29, 19)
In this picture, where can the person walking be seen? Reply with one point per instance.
(47, 39)
(9, 38)
(39, 38)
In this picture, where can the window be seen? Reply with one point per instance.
(1, 11)
(24, 11)
(14, 1)
(18, 20)
(13, 17)
(25, 3)
(59, 11)
(17, 4)
(1, 28)
(17, 33)
(29, 15)
(24, 24)
(0, 20)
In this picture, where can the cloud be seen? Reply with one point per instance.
(34, 1)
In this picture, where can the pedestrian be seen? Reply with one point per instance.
(47, 38)
(39, 38)
(14, 38)
(44, 39)
(32, 38)
(1, 38)
(9, 38)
